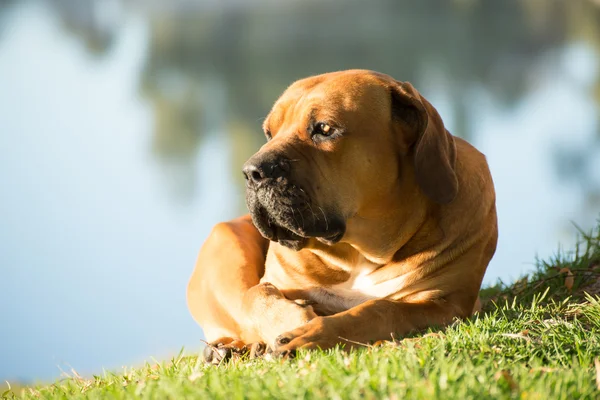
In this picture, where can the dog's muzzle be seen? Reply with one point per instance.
(282, 211)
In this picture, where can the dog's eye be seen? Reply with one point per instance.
(323, 129)
(268, 135)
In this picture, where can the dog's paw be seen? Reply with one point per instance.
(228, 348)
(224, 349)
(319, 333)
(272, 313)
(258, 350)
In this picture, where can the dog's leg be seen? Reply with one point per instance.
(231, 261)
(226, 298)
(370, 321)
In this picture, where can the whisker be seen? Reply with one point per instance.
(313, 213)
(301, 216)
(324, 216)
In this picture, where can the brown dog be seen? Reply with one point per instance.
(378, 221)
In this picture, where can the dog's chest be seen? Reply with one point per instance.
(365, 283)
(360, 278)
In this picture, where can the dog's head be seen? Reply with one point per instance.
(339, 146)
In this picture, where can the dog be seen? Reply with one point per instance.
(368, 220)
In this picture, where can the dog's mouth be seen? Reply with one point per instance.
(284, 213)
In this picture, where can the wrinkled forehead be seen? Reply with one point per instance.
(334, 94)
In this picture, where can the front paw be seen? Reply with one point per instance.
(319, 333)
(223, 349)
(271, 313)
(227, 348)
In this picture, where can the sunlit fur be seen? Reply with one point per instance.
(418, 209)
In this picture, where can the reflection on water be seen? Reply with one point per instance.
(124, 126)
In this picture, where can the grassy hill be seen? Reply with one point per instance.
(538, 338)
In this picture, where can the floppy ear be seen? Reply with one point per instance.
(433, 147)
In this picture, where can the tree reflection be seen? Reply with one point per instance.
(218, 68)
(257, 51)
(95, 22)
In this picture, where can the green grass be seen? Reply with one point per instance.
(538, 338)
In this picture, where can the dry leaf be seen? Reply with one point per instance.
(569, 280)
(507, 376)
(515, 336)
(597, 364)
(543, 369)
(553, 322)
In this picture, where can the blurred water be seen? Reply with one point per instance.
(123, 129)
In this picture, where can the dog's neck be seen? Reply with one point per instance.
(379, 239)
(376, 238)
(378, 235)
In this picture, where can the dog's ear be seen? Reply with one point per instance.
(425, 136)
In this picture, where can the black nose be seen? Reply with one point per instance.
(259, 170)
